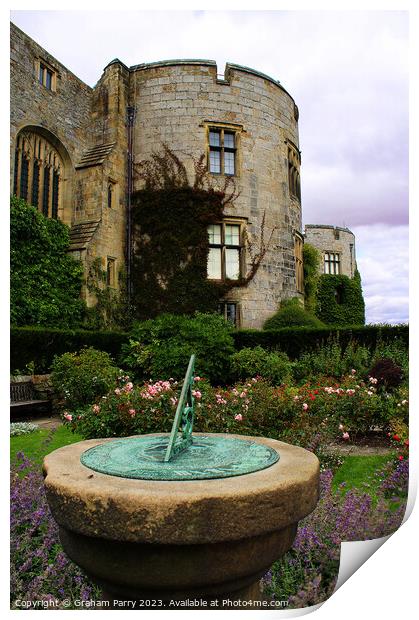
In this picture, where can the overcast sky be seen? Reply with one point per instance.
(348, 73)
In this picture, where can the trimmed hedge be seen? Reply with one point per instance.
(40, 345)
(293, 341)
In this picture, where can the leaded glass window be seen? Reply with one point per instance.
(332, 263)
(225, 251)
(222, 151)
(38, 173)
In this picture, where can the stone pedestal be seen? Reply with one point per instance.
(177, 541)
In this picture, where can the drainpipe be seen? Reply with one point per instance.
(130, 165)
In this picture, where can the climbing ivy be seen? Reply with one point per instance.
(45, 282)
(340, 300)
(311, 263)
(170, 236)
(112, 310)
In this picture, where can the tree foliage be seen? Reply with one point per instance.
(45, 281)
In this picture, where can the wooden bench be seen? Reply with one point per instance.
(23, 399)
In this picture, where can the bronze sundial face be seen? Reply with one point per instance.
(209, 456)
(180, 456)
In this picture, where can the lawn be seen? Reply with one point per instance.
(41, 442)
(360, 472)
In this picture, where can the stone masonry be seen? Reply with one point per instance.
(177, 103)
(334, 239)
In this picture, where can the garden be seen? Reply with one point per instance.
(341, 394)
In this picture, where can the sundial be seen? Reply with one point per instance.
(180, 455)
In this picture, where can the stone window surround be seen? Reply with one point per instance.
(112, 194)
(223, 309)
(44, 170)
(242, 222)
(222, 127)
(47, 67)
(331, 262)
(111, 271)
(299, 265)
(294, 163)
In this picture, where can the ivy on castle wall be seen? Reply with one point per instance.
(340, 300)
(170, 218)
(171, 249)
(311, 264)
(45, 282)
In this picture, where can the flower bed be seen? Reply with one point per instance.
(325, 409)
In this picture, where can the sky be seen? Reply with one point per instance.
(348, 73)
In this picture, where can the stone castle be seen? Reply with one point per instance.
(73, 148)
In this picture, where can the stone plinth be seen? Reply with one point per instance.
(142, 539)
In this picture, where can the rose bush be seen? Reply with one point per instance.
(254, 407)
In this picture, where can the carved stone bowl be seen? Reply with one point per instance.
(177, 540)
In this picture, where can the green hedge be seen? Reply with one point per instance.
(39, 345)
(294, 341)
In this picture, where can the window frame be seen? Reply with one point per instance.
(46, 75)
(222, 129)
(299, 262)
(223, 310)
(111, 272)
(40, 185)
(294, 163)
(223, 246)
(336, 263)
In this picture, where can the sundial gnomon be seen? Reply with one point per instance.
(181, 455)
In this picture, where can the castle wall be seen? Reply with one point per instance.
(175, 101)
(334, 239)
(64, 111)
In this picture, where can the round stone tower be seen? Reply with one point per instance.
(246, 124)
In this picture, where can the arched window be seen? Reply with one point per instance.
(38, 173)
(294, 161)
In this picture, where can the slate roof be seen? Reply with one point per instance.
(95, 156)
(81, 234)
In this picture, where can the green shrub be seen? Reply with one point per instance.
(161, 347)
(292, 313)
(79, 378)
(330, 360)
(45, 282)
(35, 347)
(274, 366)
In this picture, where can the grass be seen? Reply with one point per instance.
(41, 442)
(360, 472)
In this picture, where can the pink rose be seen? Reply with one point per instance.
(238, 417)
(197, 394)
(68, 416)
(96, 408)
(305, 406)
(132, 412)
(345, 436)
